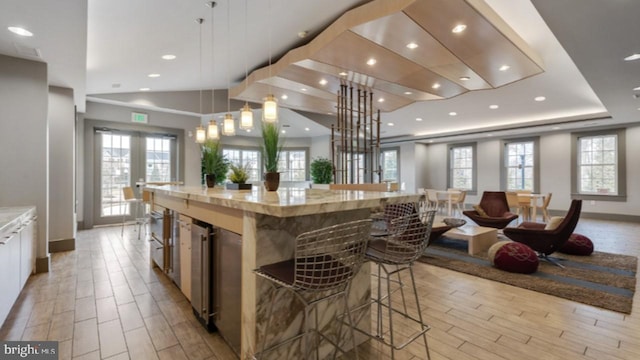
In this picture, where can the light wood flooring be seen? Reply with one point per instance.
(104, 301)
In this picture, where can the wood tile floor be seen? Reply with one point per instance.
(104, 301)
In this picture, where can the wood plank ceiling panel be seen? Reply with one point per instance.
(444, 64)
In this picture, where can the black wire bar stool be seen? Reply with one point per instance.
(394, 251)
(324, 263)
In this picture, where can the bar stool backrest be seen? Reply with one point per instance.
(407, 246)
(127, 192)
(328, 258)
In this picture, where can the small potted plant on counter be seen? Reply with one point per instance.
(214, 164)
(271, 148)
(238, 177)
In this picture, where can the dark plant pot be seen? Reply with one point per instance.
(211, 180)
(236, 186)
(272, 181)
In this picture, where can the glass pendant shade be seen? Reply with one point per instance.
(270, 109)
(246, 118)
(200, 135)
(212, 130)
(228, 126)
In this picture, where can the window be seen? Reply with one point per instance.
(599, 165)
(520, 170)
(248, 158)
(462, 169)
(389, 161)
(293, 165)
(158, 159)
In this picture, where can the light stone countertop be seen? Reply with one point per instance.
(285, 202)
(12, 216)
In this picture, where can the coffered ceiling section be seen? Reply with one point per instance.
(404, 50)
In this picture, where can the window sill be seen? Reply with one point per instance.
(599, 197)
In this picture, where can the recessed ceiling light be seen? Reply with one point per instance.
(329, 113)
(168, 57)
(408, 93)
(412, 45)
(284, 131)
(632, 57)
(343, 73)
(306, 129)
(540, 98)
(20, 31)
(248, 130)
(153, 75)
(435, 86)
(323, 82)
(465, 78)
(504, 67)
(555, 128)
(284, 97)
(453, 113)
(145, 89)
(303, 89)
(371, 62)
(636, 88)
(418, 119)
(381, 100)
(489, 135)
(430, 141)
(458, 28)
(493, 107)
(390, 124)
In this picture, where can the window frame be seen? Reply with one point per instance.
(397, 151)
(621, 171)
(306, 162)
(474, 166)
(536, 161)
(259, 167)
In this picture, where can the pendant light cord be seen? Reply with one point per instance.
(213, 73)
(228, 60)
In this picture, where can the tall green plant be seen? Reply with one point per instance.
(271, 147)
(213, 161)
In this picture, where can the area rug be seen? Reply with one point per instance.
(602, 279)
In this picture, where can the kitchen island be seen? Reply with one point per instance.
(268, 223)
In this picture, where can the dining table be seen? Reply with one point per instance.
(535, 200)
(450, 196)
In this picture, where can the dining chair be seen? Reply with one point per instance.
(136, 207)
(434, 200)
(458, 201)
(544, 207)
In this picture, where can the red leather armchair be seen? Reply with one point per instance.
(546, 242)
(494, 203)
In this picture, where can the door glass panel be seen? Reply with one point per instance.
(115, 173)
(158, 164)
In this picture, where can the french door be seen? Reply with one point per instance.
(124, 158)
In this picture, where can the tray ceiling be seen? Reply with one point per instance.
(488, 54)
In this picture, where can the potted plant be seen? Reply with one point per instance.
(321, 171)
(271, 148)
(238, 176)
(214, 164)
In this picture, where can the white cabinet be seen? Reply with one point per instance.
(27, 250)
(185, 255)
(17, 254)
(9, 279)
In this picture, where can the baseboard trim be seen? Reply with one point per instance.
(80, 225)
(43, 264)
(600, 216)
(62, 245)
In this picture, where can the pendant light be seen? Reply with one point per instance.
(228, 125)
(212, 129)
(270, 105)
(200, 133)
(246, 114)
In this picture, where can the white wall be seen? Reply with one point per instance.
(321, 147)
(24, 136)
(555, 172)
(61, 163)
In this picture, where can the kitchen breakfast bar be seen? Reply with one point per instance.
(266, 225)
